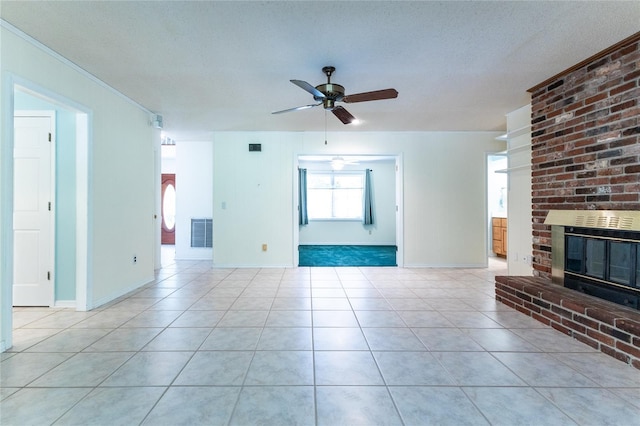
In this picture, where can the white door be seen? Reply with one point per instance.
(32, 212)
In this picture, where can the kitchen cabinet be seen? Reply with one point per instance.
(499, 232)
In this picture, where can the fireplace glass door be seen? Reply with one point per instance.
(603, 263)
(575, 254)
(620, 262)
(637, 267)
(594, 258)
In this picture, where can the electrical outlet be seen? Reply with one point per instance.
(264, 247)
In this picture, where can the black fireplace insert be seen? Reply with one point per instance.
(604, 263)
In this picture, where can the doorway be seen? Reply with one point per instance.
(387, 228)
(497, 189)
(168, 222)
(33, 216)
(74, 251)
(169, 208)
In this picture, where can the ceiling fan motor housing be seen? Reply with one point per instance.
(333, 93)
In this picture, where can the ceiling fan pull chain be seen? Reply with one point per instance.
(325, 126)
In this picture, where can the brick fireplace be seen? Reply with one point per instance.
(585, 147)
(585, 141)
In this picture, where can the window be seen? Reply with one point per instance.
(335, 195)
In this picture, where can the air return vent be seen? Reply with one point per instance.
(201, 233)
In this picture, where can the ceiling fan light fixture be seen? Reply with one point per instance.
(329, 104)
(337, 163)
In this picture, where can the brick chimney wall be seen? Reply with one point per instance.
(585, 139)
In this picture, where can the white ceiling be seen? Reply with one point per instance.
(210, 66)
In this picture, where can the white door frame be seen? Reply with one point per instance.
(399, 207)
(400, 210)
(487, 188)
(84, 155)
(51, 114)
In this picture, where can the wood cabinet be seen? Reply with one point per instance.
(499, 231)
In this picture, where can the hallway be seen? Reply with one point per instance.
(310, 346)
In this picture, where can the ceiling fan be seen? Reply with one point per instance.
(338, 162)
(329, 93)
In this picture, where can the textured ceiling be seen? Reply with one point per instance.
(224, 66)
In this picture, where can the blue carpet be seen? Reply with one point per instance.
(335, 255)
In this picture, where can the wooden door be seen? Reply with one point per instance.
(32, 212)
(168, 209)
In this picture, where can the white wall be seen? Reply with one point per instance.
(253, 198)
(121, 200)
(168, 159)
(444, 184)
(519, 222)
(194, 194)
(382, 232)
(445, 198)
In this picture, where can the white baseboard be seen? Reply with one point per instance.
(97, 303)
(233, 266)
(452, 266)
(64, 304)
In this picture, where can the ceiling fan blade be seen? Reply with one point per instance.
(309, 88)
(343, 115)
(296, 108)
(376, 95)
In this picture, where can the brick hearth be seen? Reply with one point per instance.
(605, 326)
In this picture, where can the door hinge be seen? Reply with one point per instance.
(49, 137)
(49, 275)
(49, 205)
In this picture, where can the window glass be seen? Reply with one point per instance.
(169, 207)
(335, 195)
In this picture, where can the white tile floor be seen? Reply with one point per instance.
(310, 346)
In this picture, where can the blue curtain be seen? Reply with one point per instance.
(302, 197)
(368, 205)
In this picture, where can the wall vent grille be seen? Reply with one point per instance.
(626, 223)
(628, 220)
(202, 233)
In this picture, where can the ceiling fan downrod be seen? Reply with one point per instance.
(328, 71)
(332, 92)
